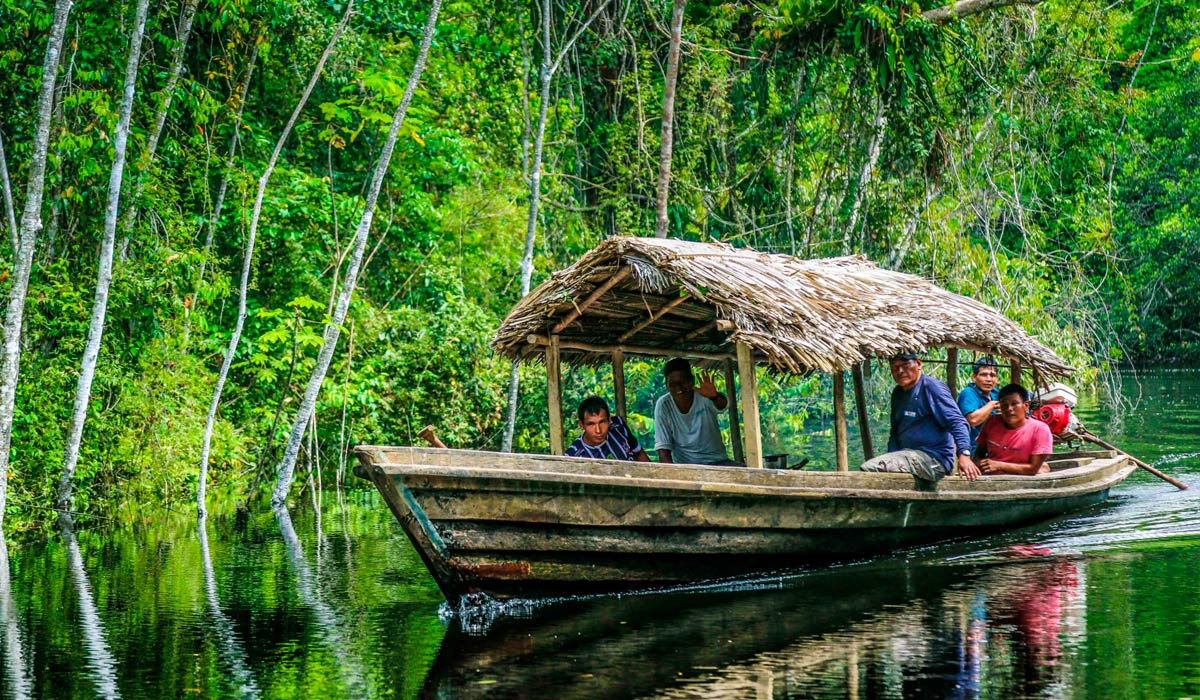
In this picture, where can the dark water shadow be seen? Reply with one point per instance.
(851, 630)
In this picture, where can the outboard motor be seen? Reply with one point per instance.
(1052, 406)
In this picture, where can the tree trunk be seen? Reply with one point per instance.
(91, 351)
(287, 465)
(661, 223)
(9, 215)
(534, 176)
(31, 224)
(215, 217)
(868, 167)
(249, 257)
(160, 120)
(514, 377)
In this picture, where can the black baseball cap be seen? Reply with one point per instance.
(906, 356)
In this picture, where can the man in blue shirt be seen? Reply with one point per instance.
(604, 436)
(929, 434)
(980, 398)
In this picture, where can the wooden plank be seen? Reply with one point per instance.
(839, 422)
(666, 309)
(554, 395)
(754, 453)
(618, 373)
(952, 370)
(692, 335)
(576, 312)
(860, 406)
(1014, 374)
(630, 349)
(735, 430)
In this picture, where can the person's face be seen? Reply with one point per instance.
(680, 384)
(986, 378)
(905, 372)
(1012, 410)
(595, 428)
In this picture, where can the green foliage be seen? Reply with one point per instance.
(1041, 160)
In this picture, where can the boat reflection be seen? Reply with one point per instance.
(891, 629)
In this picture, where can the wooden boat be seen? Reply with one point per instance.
(520, 525)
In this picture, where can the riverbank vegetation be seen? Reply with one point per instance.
(1038, 157)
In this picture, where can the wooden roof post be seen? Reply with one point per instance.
(735, 430)
(1015, 372)
(860, 407)
(839, 421)
(754, 453)
(618, 372)
(952, 370)
(554, 396)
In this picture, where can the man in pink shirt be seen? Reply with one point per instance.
(1011, 443)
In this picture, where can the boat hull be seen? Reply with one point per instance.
(530, 525)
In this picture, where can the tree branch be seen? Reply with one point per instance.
(966, 8)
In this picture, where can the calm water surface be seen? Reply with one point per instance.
(1103, 604)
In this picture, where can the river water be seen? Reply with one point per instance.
(332, 602)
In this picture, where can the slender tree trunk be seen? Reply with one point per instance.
(31, 224)
(868, 167)
(534, 177)
(16, 656)
(9, 213)
(249, 257)
(661, 223)
(160, 120)
(287, 465)
(91, 351)
(215, 217)
(514, 377)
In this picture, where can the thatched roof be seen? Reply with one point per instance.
(699, 299)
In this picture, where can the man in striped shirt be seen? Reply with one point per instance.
(604, 436)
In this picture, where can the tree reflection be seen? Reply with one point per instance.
(232, 652)
(101, 663)
(16, 670)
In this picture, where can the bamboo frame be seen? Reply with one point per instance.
(840, 438)
(952, 370)
(618, 375)
(631, 349)
(666, 309)
(860, 407)
(554, 395)
(735, 430)
(576, 312)
(754, 452)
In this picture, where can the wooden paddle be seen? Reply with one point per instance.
(428, 435)
(1091, 437)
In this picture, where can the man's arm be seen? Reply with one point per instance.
(950, 418)
(664, 456)
(708, 390)
(662, 432)
(995, 466)
(641, 456)
(981, 414)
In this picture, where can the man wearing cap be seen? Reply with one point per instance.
(980, 398)
(929, 434)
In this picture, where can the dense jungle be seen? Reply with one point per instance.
(1041, 157)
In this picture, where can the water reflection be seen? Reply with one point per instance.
(20, 684)
(866, 631)
(328, 623)
(232, 653)
(101, 663)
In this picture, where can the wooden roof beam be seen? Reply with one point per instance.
(576, 312)
(666, 309)
(606, 350)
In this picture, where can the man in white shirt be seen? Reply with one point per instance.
(685, 418)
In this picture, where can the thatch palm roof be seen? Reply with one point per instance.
(700, 299)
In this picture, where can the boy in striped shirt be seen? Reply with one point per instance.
(604, 436)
